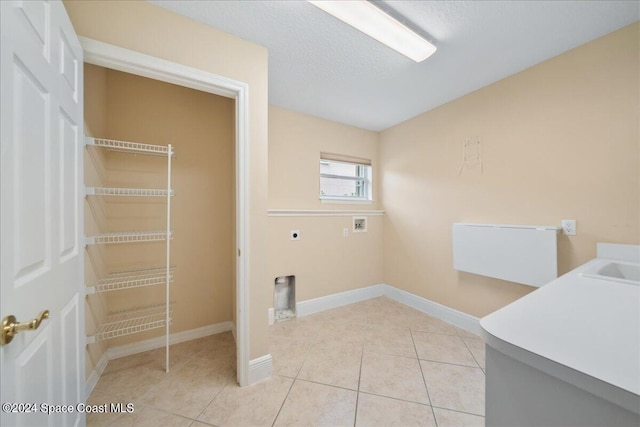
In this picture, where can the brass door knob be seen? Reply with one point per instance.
(11, 327)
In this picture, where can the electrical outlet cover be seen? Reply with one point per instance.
(569, 227)
(359, 224)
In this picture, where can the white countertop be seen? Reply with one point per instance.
(589, 325)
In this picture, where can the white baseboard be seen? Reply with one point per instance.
(439, 311)
(260, 368)
(442, 312)
(96, 373)
(316, 305)
(178, 337)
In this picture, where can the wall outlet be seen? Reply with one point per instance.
(569, 227)
(294, 234)
(345, 232)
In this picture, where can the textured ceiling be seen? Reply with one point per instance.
(323, 67)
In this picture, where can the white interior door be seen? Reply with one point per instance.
(41, 129)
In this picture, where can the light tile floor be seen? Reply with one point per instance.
(373, 363)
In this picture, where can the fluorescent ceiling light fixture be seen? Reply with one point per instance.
(364, 16)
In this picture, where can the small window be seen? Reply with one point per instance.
(343, 178)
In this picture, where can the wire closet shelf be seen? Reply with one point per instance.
(127, 322)
(131, 279)
(127, 192)
(128, 237)
(128, 146)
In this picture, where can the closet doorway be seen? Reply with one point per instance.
(209, 215)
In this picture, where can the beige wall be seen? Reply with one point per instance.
(200, 127)
(560, 141)
(151, 30)
(323, 261)
(295, 143)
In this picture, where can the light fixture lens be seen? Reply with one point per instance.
(364, 16)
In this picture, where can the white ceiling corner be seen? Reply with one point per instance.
(323, 67)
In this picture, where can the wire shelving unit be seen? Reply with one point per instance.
(146, 318)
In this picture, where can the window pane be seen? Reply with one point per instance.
(335, 187)
(338, 168)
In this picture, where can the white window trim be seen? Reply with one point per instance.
(367, 181)
(345, 201)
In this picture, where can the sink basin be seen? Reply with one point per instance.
(618, 271)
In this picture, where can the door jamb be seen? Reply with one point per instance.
(129, 61)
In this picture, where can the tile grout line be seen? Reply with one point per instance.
(396, 398)
(472, 355)
(180, 366)
(450, 363)
(312, 342)
(226, 384)
(433, 412)
(458, 411)
(355, 415)
(284, 401)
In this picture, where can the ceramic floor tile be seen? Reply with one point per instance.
(256, 405)
(392, 376)
(422, 322)
(288, 355)
(132, 383)
(220, 350)
(300, 327)
(448, 418)
(352, 313)
(343, 331)
(390, 314)
(378, 411)
(443, 348)
(373, 304)
(131, 361)
(455, 387)
(191, 348)
(323, 350)
(145, 416)
(394, 341)
(100, 397)
(465, 333)
(318, 317)
(476, 346)
(187, 390)
(334, 363)
(310, 404)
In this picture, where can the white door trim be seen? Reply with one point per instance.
(129, 61)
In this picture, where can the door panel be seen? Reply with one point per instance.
(41, 222)
(34, 378)
(69, 66)
(69, 146)
(72, 385)
(37, 16)
(31, 145)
